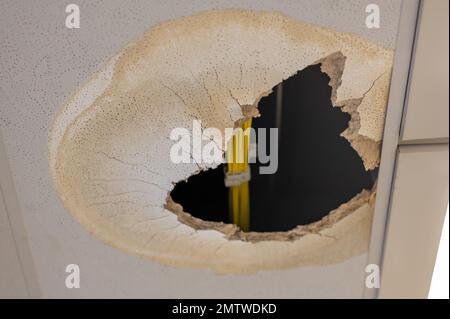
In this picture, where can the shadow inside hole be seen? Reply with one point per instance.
(318, 170)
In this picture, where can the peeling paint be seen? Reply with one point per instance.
(109, 148)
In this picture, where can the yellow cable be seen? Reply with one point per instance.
(244, 187)
(238, 162)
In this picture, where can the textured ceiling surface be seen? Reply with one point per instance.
(42, 63)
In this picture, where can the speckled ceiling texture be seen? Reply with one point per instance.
(42, 63)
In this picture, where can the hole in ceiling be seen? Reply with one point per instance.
(318, 170)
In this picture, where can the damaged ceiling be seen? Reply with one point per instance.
(109, 146)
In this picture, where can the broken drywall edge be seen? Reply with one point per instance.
(232, 232)
(110, 158)
(365, 128)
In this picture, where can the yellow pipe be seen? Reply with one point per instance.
(238, 162)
